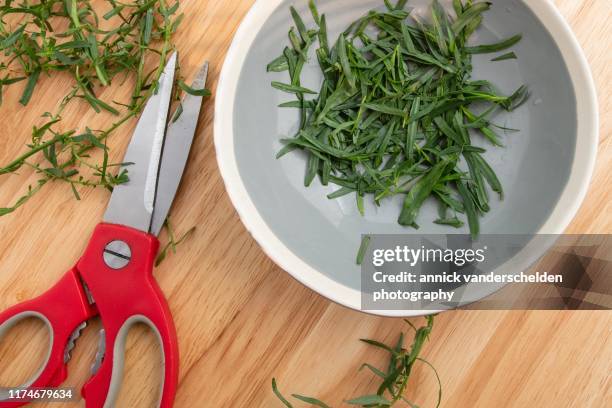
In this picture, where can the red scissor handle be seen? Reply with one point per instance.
(125, 297)
(63, 308)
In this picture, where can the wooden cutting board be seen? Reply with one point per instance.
(241, 320)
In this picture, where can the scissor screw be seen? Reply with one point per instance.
(117, 254)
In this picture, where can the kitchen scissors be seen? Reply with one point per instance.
(114, 278)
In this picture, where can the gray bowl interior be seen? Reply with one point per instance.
(534, 166)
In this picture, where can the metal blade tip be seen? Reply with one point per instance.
(171, 64)
(173, 58)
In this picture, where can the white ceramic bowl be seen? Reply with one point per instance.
(262, 220)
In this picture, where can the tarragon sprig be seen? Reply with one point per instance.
(394, 379)
(140, 33)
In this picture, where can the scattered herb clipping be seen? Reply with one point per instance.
(397, 109)
(97, 45)
(394, 380)
(365, 244)
(173, 242)
(510, 55)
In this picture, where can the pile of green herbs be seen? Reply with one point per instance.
(397, 109)
(394, 380)
(97, 45)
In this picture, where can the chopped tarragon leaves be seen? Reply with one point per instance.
(397, 109)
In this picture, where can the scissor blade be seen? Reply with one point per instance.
(132, 203)
(179, 138)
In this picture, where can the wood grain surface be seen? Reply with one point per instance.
(241, 320)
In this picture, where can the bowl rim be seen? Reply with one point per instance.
(563, 213)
